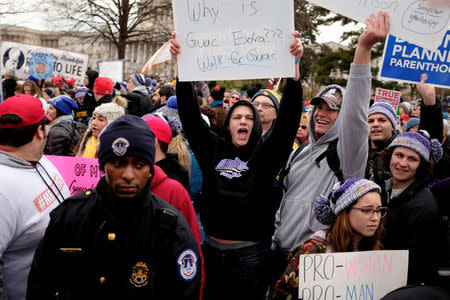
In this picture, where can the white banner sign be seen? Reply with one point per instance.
(234, 39)
(352, 275)
(411, 20)
(111, 68)
(16, 56)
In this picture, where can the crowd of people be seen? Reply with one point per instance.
(211, 193)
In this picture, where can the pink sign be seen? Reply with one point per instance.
(393, 97)
(80, 174)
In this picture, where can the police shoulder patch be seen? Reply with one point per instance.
(120, 146)
(187, 265)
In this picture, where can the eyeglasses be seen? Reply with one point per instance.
(264, 105)
(368, 212)
(234, 97)
(303, 127)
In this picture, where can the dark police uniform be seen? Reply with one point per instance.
(94, 248)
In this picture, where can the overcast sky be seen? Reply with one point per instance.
(37, 21)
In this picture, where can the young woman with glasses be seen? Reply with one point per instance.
(353, 211)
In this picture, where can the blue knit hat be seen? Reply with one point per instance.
(63, 104)
(327, 209)
(411, 123)
(172, 103)
(428, 149)
(129, 135)
(383, 107)
(272, 95)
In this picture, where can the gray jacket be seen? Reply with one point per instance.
(295, 220)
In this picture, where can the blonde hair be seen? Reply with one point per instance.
(178, 146)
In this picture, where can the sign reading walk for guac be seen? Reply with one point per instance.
(234, 39)
(366, 275)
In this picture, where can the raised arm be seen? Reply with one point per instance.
(354, 131)
(201, 139)
(430, 110)
(279, 143)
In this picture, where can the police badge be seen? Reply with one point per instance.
(139, 274)
(120, 146)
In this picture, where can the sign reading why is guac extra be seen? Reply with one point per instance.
(234, 39)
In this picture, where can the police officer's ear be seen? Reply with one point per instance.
(152, 172)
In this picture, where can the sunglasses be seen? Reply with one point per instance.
(303, 127)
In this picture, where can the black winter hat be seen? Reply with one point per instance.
(127, 136)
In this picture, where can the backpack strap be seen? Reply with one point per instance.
(285, 170)
(332, 159)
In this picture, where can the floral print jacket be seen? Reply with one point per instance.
(287, 286)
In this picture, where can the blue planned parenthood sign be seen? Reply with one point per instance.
(403, 61)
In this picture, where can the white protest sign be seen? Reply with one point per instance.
(111, 68)
(393, 97)
(68, 64)
(352, 275)
(234, 39)
(410, 20)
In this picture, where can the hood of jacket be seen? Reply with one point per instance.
(92, 75)
(158, 177)
(141, 90)
(10, 160)
(256, 133)
(333, 132)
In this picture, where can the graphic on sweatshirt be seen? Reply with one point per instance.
(47, 197)
(232, 168)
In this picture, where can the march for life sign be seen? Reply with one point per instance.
(352, 275)
(80, 174)
(234, 39)
(17, 56)
(411, 20)
(393, 97)
(403, 61)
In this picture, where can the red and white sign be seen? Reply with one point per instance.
(393, 97)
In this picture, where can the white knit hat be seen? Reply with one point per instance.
(111, 111)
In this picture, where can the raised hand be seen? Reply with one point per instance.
(427, 91)
(296, 46)
(174, 47)
(376, 31)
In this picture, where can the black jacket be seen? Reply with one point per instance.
(237, 181)
(139, 103)
(95, 248)
(63, 136)
(412, 223)
(174, 169)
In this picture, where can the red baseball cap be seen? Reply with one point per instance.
(159, 127)
(27, 107)
(103, 86)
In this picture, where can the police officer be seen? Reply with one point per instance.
(118, 241)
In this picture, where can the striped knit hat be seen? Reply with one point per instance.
(386, 109)
(428, 149)
(327, 209)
